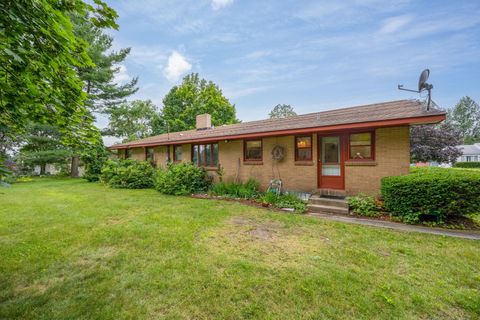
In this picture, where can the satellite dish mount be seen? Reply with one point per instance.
(422, 86)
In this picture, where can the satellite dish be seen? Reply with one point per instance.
(422, 81)
(422, 85)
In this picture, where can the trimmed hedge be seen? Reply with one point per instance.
(437, 192)
(467, 165)
(128, 174)
(182, 179)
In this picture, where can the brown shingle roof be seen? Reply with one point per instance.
(402, 109)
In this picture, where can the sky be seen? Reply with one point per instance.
(313, 55)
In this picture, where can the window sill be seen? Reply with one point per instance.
(210, 168)
(361, 163)
(253, 163)
(304, 163)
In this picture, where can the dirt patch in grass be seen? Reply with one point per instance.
(266, 241)
(100, 256)
(40, 286)
(249, 227)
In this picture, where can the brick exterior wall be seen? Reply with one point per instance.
(161, 156)
(295, 176)
(138, 154)
(392, 157)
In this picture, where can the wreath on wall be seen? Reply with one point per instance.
(278, 153)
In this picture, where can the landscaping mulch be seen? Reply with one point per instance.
(459, 223)
(248, 202)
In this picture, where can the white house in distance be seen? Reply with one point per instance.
(470, 153)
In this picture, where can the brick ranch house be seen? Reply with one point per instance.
(342, 151)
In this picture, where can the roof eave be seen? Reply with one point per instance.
(429, 119)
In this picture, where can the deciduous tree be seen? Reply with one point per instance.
(39, 58)
(39, 61)
(434, 143)
(282, 111)
(133, 120)
(195, 96)
(465, 116)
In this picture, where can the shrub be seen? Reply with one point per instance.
(432, 192)
(467, 165)
(247, 190)
(94, 158)
(5, 175)
(129, 174)
(284, 201)
(182, 179)
(364, 205)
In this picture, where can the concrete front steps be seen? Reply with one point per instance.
(322, 204)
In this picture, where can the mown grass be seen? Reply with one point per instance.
(70, 249)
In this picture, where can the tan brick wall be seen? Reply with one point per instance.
(295, 176)
(161, 156)
(392, 158)
(138, 154)
(120, 154)
(392, 148)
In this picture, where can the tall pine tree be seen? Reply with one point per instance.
(99, 79)
(43, 146)
(103, 93)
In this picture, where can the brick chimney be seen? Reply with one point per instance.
(204, 121)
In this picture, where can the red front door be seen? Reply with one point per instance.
(330, 162)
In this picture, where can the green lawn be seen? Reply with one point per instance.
(71, 249)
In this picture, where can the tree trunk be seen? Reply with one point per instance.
(43, 169)
(74, 167)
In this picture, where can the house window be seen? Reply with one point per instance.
(361, 146)
(303, 148)
(205, 155)
(177, 153)
(128, 153)
(150, 155)
(252, 150)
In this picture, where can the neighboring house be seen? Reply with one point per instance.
(470, 153)
(52, 169)
(343, 151)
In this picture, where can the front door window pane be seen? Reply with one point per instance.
(331, 156)
(330, 150)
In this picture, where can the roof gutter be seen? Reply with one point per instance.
(337, 127)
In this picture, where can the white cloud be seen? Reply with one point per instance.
(394, 24)
(258, 54)
(219, 4)
(148, 55)
(177, 65)
(234, 93)
(122, 75)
